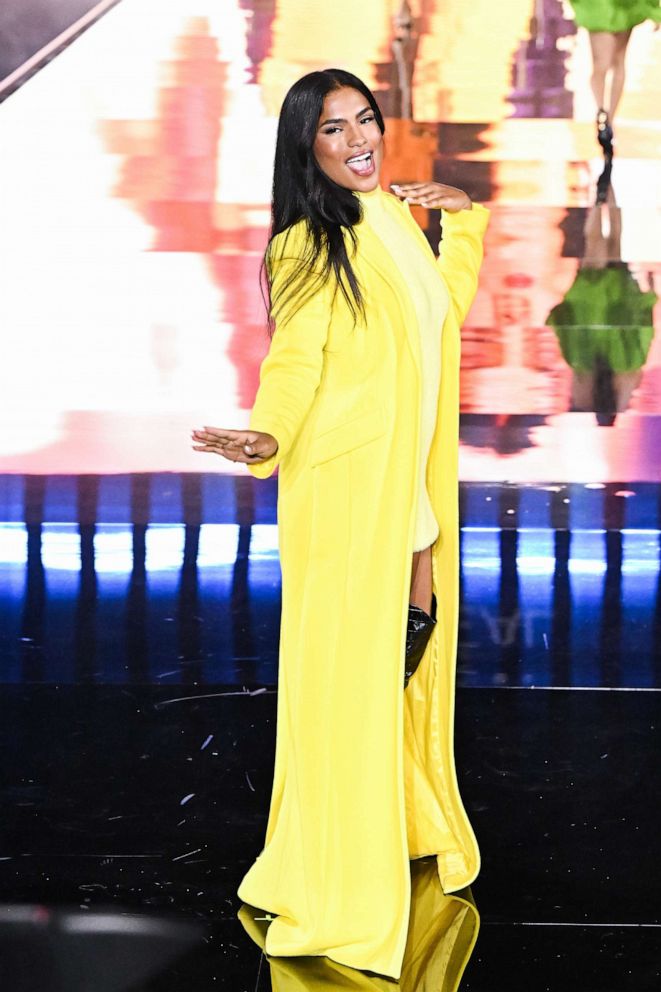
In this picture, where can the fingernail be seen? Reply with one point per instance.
(248, 448)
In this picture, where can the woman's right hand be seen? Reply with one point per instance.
(235, 446)
(434, 196)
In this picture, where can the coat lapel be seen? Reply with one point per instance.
(372, 252)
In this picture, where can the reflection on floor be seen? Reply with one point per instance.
(441, 937)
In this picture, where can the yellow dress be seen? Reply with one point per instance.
(364, 776)
(430, 301)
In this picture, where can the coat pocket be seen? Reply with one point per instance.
(347, 436)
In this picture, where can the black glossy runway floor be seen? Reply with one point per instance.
(138, 720)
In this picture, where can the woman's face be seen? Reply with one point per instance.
(349, 144)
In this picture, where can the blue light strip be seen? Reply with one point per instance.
(113, 546)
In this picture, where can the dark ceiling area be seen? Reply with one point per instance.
(27, 26)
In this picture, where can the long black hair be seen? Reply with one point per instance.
(302, 191)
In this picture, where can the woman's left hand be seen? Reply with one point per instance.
(433, 196)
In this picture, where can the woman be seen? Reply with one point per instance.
(610, 23)
(350, 407)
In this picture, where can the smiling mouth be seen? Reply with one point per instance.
(362, 165)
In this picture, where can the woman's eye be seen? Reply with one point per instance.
(366, 120)
(331, 130)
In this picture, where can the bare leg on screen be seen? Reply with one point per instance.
(617, 66)
(603, 54)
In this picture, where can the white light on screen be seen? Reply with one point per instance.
(218, 545)
(13, 544)
(60, 547)
(264, 541)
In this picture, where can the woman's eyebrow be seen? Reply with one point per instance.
(343, 120)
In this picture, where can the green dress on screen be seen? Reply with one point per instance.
(606, 315)
(614, 15)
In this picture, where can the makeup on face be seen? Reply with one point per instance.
(349, 144)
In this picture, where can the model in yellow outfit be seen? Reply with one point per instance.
(364, 772)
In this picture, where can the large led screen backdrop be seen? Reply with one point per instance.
(135, 181)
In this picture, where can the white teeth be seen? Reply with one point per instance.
(360, 158)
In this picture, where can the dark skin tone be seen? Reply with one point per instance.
(347, 131)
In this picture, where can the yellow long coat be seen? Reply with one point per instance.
(364, 771)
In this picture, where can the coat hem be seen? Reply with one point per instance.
(450, 886)
(392, 974)
(460, 881)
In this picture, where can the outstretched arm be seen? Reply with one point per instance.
(291, 372)
(289, 377)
